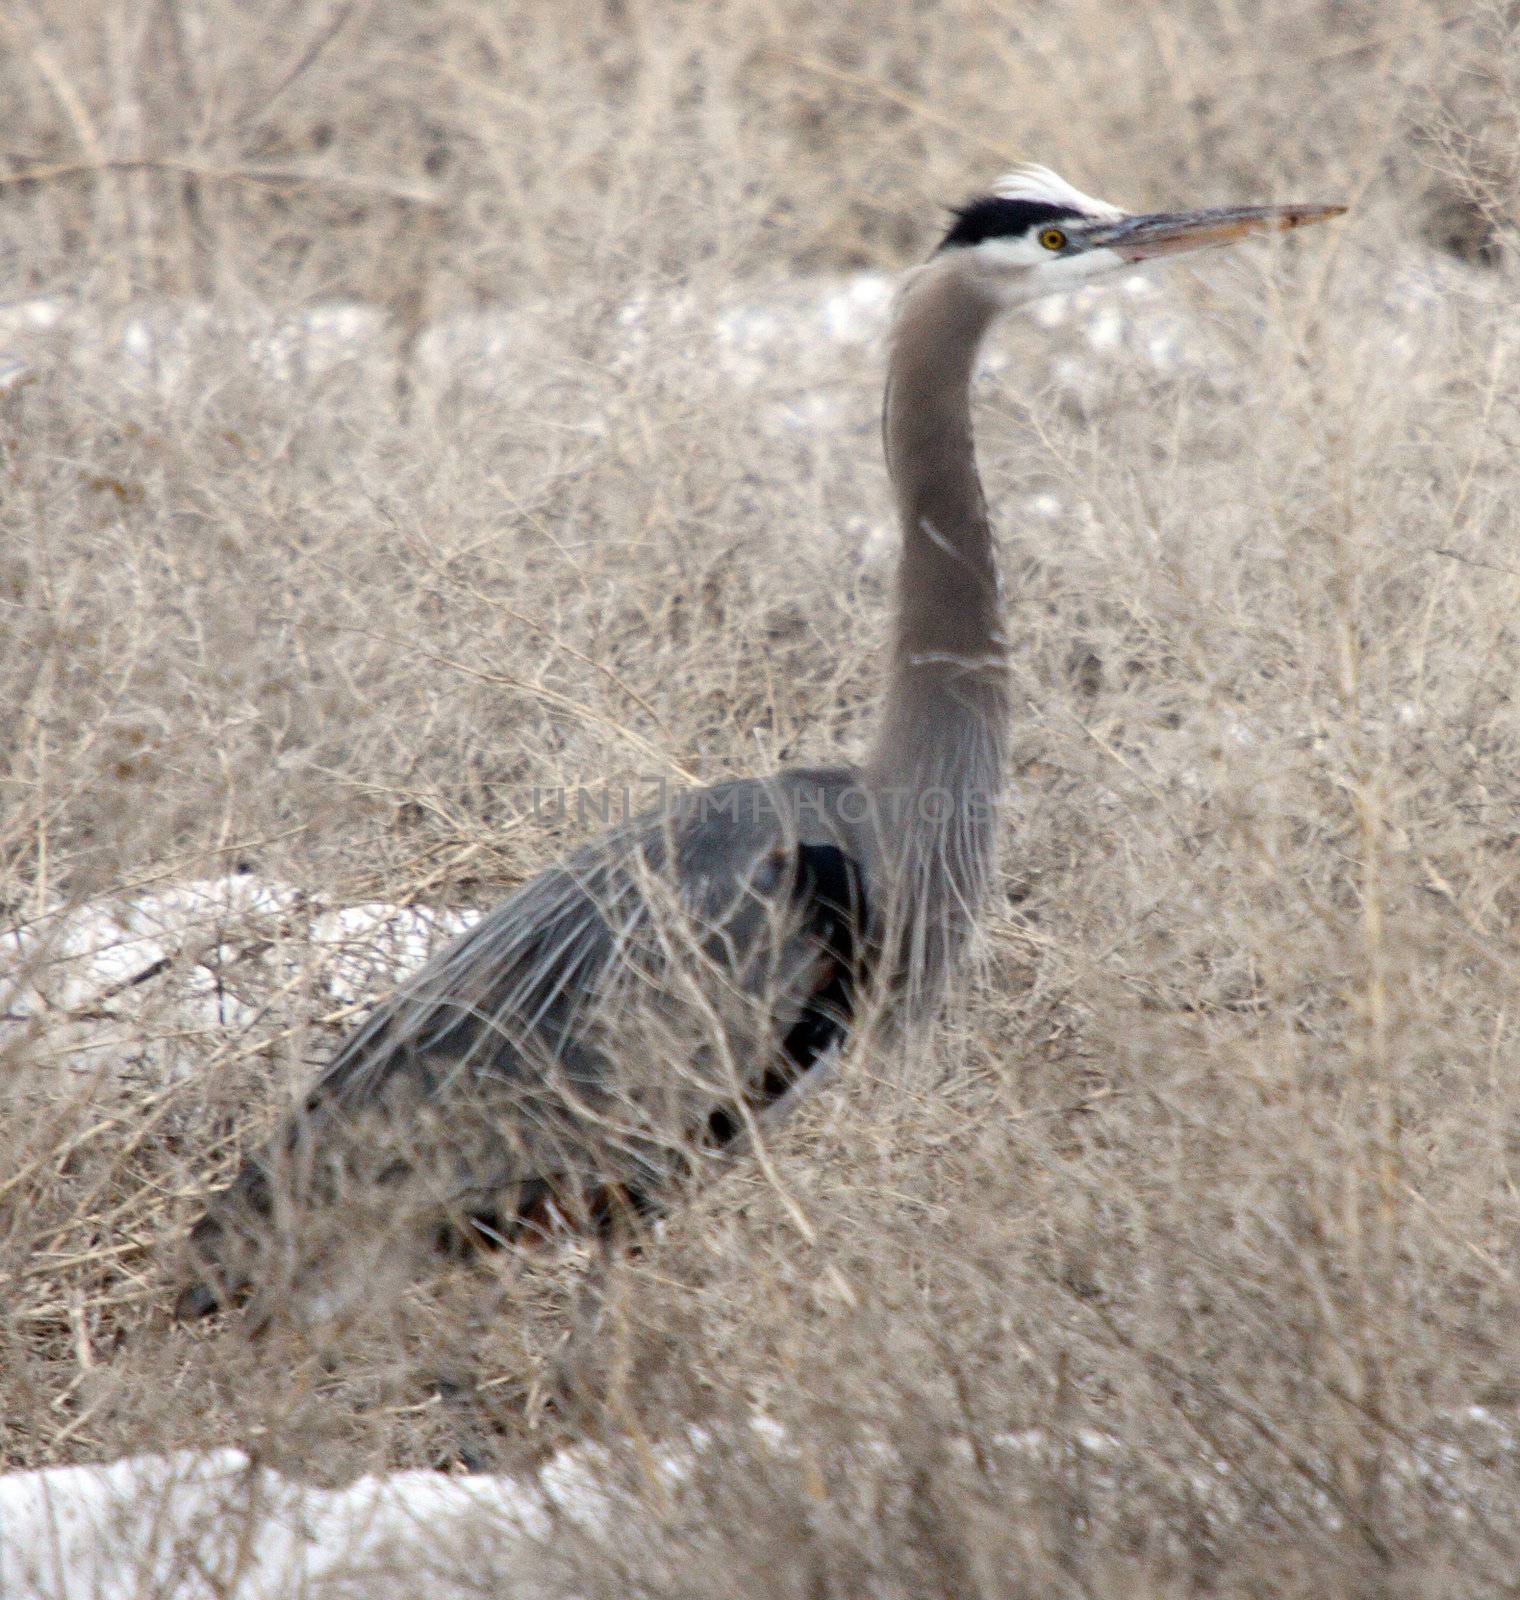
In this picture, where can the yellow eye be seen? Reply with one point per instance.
(1052, 238)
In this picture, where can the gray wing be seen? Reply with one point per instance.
(592, 1034)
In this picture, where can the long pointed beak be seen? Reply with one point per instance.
(1169, 233)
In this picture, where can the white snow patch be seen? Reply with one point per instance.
(1129, 326)
(213, 1523)
(369, 945)
(160, 345)
(875, 541)
(486, 351)
(85, 956)
(37, 315)
(802, 316)
(206, 958)
(785, 335)
(320, 340)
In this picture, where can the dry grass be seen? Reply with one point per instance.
(1206, 1189)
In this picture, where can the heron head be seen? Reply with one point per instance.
(1036, 235)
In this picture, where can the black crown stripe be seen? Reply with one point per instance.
(996, 218)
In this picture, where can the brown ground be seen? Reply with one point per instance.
(1206, 1188)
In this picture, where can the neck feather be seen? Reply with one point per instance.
(949, 660)
(939, 753)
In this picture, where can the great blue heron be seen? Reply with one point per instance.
(643, 1006)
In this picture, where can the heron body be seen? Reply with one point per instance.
(637, 1011)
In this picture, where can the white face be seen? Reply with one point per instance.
(1022, 268)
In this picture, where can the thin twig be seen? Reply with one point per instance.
(362, 183)
(303, 63)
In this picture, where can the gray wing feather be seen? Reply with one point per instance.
(509, 993)
(579, 1033)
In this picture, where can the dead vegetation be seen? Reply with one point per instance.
(1181, 1257)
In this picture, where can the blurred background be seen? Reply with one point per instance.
(423, 158)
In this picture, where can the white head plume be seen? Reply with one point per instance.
(1031, 182)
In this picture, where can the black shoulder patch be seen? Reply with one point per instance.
(830, 884)
(995, 218)
(830, 889)
(830, 881)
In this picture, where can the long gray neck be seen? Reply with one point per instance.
(938, 757)
(949, 658)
